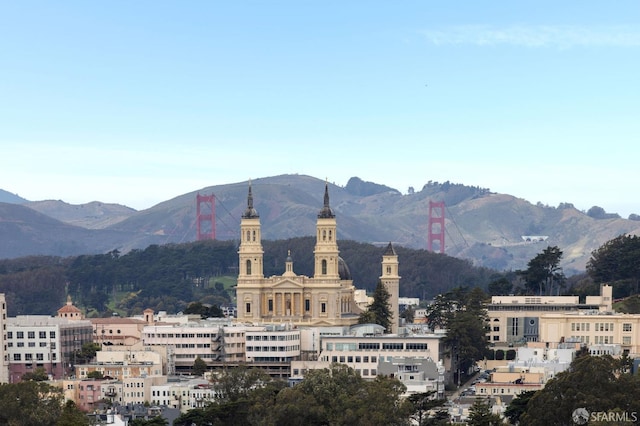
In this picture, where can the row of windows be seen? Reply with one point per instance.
(352, 358)
(32, 344)
(272, 348)
(368, 346)
(274, 337)
(29, 357)
(598, 326)
(31, 334)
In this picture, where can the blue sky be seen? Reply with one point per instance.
(138, 102)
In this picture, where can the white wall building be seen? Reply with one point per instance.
(4, 354)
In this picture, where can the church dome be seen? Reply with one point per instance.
(343, 269)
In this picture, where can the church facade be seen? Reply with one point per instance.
(325, 299)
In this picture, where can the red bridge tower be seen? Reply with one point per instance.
(206, 217)
(436, 225)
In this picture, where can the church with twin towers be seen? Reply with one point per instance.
(326, 299)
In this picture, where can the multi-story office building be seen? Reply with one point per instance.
(366, 346)
(51, 343)
(599, 331)
(4, 353)
(213, 340)
(516, 319)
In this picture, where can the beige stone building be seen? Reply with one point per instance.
(326, 299)
(515, 320)
(599, 331)
(117, 331)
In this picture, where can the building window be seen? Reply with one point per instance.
(270, 305)
(324, 266)
(17, 357)
(248, 307)
(31, 334)
(496, 328)
(9, 334)
(28, 357)
(323, 308)
(42, 334)
(248, 267)
(20, 335)
(52, 334)
(307, 305)
(626, 327)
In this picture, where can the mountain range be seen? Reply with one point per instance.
(494, 230)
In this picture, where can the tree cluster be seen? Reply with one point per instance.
(172, 276)
(543, 275)
(379, 311)
(596, 383)
(462, 314)
(35, 403)
(617, 262)
(334, 396)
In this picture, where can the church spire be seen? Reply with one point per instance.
(250, 212)
(326, 212)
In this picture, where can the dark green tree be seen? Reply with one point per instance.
(38, 375)
(592, 382)
(467, 329)
(440, 312)
(72, 416)
(380, 308)
(30, 404)
(544, 275)
(423, 404)
(95, 374)
(199, 366)
(480, 414)
(616, 262)
(500, 287)
(87, 352)
(154, 421)
(408, 314)
(340, 396)
(518, 406)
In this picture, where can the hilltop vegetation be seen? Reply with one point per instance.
(482, 226)
(169, 277)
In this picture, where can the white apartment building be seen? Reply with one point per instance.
(366, 346)
(4, 354)
(419, 375)
(213, 340)
(184, 394)
(121, 363)
(273, 344)
(533, 367)
(40, 341)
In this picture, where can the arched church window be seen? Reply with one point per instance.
(248, 235)
(330, 236)
(254, 235)
(324, 266)
(388, 270)
(324, 235)
(248, 267)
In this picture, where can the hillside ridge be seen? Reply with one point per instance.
(481, 225)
